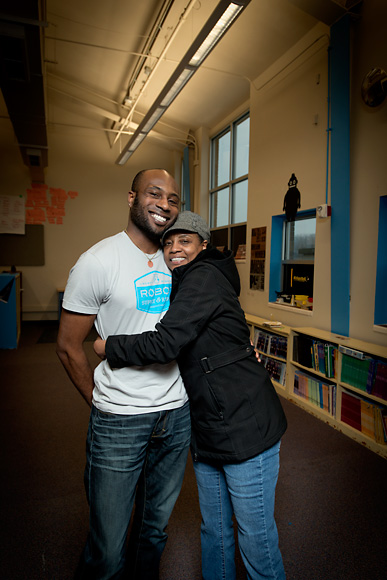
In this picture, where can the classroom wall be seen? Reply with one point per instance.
(368, 169)
(288, 111)
(288, 134)
(285, 139)
(80, 161)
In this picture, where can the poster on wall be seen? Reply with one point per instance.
(258, 254)
(12, 214)
(47, 204)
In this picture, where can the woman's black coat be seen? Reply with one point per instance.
(235, 410)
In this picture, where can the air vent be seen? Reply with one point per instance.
(34, 157)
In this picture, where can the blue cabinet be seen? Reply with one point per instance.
(10, 310)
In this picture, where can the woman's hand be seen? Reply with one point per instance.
(257, 355)
(99, 347)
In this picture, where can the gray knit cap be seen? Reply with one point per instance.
(188, 221)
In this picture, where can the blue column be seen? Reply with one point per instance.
(275, 284)
(340, 172)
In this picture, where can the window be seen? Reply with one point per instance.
(185, 182)
(229, 184)
(299, 240)
(298, 256)
(292, 257)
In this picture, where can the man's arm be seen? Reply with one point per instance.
(73, 330)
(195, 303)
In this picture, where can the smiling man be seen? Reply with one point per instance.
(139, 430)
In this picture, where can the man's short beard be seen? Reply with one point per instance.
(138, 218)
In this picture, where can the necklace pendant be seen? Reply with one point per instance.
(150, 263)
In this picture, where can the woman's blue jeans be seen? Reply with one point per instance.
(124, 452)
(246, 489)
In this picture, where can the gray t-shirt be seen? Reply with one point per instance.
(113, 280)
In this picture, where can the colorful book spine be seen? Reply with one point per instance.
(316, 392)
(314, 354)
(351, 410)
(364, 415)
(355, 371)
(270, 343)
(379, 386)
(275, 368)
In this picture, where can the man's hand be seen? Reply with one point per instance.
(99, 347)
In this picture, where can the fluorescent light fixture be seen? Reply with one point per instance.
(153, 119)
(137, 140)
(125, 156)
(219, 22)
(213, 37)
(176, 87)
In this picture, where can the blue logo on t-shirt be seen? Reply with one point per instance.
(152, 292)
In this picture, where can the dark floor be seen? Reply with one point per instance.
(331, 495)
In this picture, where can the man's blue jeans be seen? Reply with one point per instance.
(246, 489)
(122, 451)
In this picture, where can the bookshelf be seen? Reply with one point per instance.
(340, 380)
(272, 345)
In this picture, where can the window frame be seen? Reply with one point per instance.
(380, 310)
(230, 234)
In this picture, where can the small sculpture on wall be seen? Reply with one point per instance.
(292, 199)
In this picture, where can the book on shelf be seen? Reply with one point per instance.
(315, 354)
(270, 343)
(379, 385)
(364, 415)
(351, 410)
(367, 418)
(260, 340)
(354, 371)
(275, 368)
(272, 323)
(278, 346)
(330, 360)
(383, 414)
(366, 374)
(319, 393)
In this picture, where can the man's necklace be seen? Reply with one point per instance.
(149, 258)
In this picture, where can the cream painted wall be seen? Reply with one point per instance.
(288, 135)
(284, 139)
(368, 169)
(78, 161)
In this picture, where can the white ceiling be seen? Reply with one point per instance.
(100, 76)
(90, 49)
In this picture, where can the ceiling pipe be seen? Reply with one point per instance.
(223, 16)
(182, 18)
